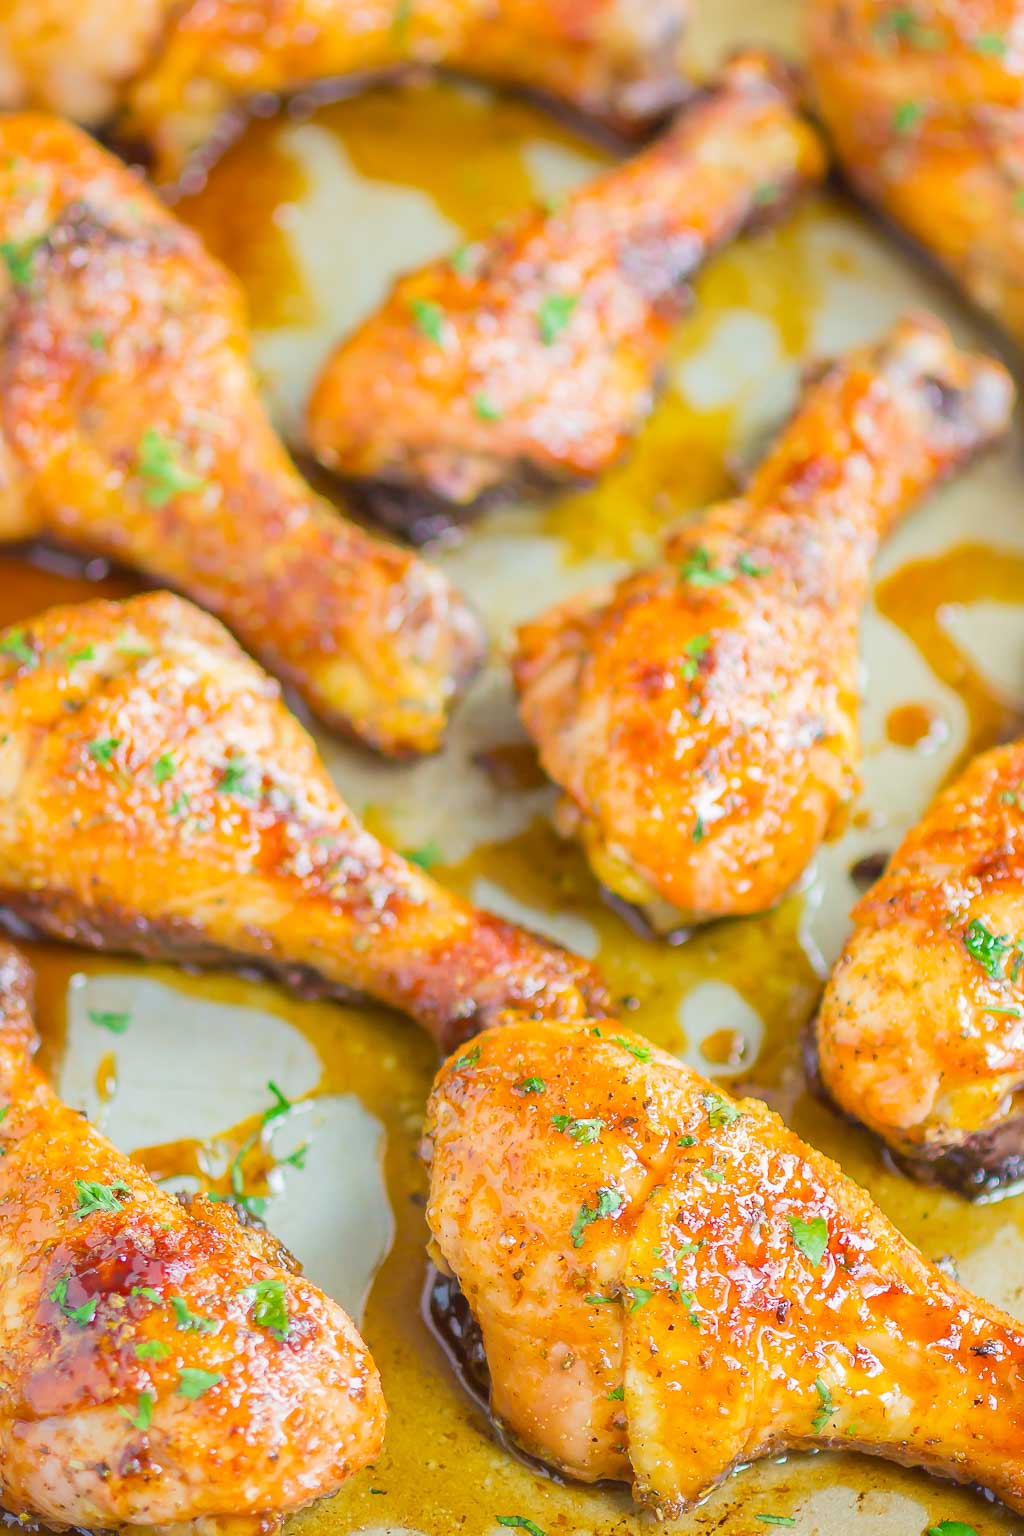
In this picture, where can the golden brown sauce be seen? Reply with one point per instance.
(32, 580)
(915, 597)
(916, 725)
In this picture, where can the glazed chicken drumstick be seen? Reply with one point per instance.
(920, 1035)
(534, 355)
(670, 1284)
(924, 106)
(130, 426)
(156, 797)
(176, 75)
(700, 716)
(159, 1363)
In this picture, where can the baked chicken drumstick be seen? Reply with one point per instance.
(670, 1284)
(156, 797)
(920, 1035)
(700, 716)
(130, 426)
(534, 355)
(924, 105)
(171, 71)
(159, 1363)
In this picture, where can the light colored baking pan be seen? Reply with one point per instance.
(316, 216)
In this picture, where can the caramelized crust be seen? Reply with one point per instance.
(670, 1284)
(156, 797)
(534, 355)
(921, 1031)
(924, 106)
(181, 74)
(700, 716)
(141, 1380)
(131, 427)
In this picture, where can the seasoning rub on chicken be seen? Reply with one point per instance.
(534, 355)
(923, 104)
(920, 1035)
(174, 75)
(670, 1284)
(156, 797)
(159, 1363)
(700, 716)
(131, 427)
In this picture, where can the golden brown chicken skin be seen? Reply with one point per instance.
(130, 426)
(924, 106)
(534, 355)
(159, 1363)
(156, 797)
(179, 75)
(920, 1035)
(671, 1284)
(700, 716)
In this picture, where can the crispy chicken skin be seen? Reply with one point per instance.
(700, 716)
(924, 107)
(130, 426)
(534, 355)
(670, 1284)
(156, 797)
(159, 1363)
(920, 1035)
(178, 72)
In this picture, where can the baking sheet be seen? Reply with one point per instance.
(317, 216)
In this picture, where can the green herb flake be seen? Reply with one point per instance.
(148, 1293)
(97, 341)
(638, 1295)
(520, 1523)
(687, 1141)
(269, 1306)
(82, 1315)
(15, 645)
(641, 1052)
(426, 857)
(554, 314)
(463, 259)
(164, 768)
(470, 1059)
(18, 257)
(714, 1175)
(775, 1519)
(951, 1528)
(152, 1349)
(991, 950)
(693, 650)
(102, 749)
(609, 1203)
(117, 1023)
(530, 1085)
(699, 829)
(93, 1197)
(401, 19)
(811, 1237)
(234, 778)
(78, 654)
(698, 570)
(190, 1322)
(907, 116)
(192, 1382)
(428, 318)
(484, 408)
(160, 468)
(827, 1408)
(616, 1395)
(583, 1132)
(601, 1301)
(992, 44)
(719, 1111)
(142, 1418)
(749, 566)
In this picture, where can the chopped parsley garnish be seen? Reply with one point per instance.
(698, 570)
(951, 1528)
(142, 1418)
(463, 259)
(520, 1523)
(81, 1316)
(98, 1197)
(554, 314)
(693, 650)
(428, 318)
(601, 1301)
(400, 20)
(990, 951)
(697, 835)
(426, 857)
(97, 341)
(148, 1292)
(530, 1085)
(180, 806)
(152, 1349)
(234, 778)
(714, 1175)
(161, 470)
(80, 653)
(638, 1295)
(720, 1111)
(164, 768)
(609, 1203)
(687, 1141)
(470, 1059)
(269, 1306)
(775, 1519)
(14, 644)
(103, 748)
(749, 566)
(256, 1204)
(990, 43)
(641, 1052)
(616, 1395)
(827, 1408)
(583, 1132)
(484, 408)
(907, 116)
(811, 1237)
(193, 1382)
(904, 24)
(190, 1322)
(18, 257)
(117, 1023)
